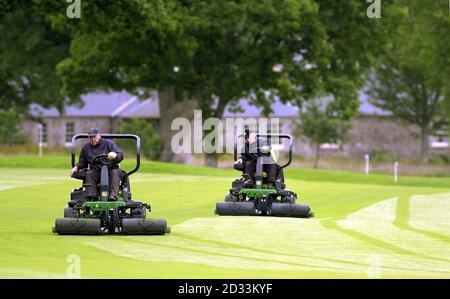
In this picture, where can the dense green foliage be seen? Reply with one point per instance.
(410, 77)
(10, 124)
(320, 124)
(150, 140)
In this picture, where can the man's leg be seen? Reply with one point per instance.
(91, 180)
(249, 173)
(271, 170)
(115, 176)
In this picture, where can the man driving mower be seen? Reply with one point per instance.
(249, 157)
(261, 192)
(95, 147)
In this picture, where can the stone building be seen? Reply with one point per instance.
(373, 131)
(100, 110)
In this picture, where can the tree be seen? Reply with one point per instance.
(338, 47)
(319, 124)
(222, 50)
(29, 52)
(10, 128)
(125, 45)
(217, 52)
(150, 141)
(408, 80)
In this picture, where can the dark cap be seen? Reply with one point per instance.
(93, 132)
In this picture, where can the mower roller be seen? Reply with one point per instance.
(260, 200)
(100, 216)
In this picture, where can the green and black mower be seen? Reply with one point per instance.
(260, 200)
(100, 216)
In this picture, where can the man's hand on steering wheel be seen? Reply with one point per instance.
(103, 159)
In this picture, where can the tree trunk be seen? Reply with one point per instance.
(424, 144)
(317, 157)
(169, 109)
(212, 159)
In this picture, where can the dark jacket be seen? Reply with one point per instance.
(89, 152)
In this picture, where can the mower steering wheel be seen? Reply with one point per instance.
(102, 160)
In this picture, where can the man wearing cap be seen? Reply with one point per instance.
(98, 146)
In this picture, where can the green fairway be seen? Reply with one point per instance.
(364, 227)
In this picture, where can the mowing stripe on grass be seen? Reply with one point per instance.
(431, 213)
(279, 244)
(377, 220)
(21, 178)
(201, 244)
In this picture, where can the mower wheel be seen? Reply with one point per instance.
(69, 212)
(139, 213)
(288, 199)
(229, 198)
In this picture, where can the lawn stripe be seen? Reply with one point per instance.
(376, 224)
(431, 213)
(175, 249)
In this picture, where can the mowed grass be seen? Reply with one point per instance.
(364, 227)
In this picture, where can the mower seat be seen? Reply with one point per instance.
(80, 174)
(79, 194)
(279, 175)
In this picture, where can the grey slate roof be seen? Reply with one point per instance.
(288, 110)
(146, 108)
(279, 110)
(114, 104)
(123, 104)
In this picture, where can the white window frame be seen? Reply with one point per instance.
(329, 146)
(439, 142)
(68, 143)
(44, 134)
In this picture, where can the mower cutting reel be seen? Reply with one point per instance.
(100, 216)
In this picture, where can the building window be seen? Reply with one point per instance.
(70, 129)
(439, 141)
(330, 146)
(44, 132)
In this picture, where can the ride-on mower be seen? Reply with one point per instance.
(99, 216)
(261, 200)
